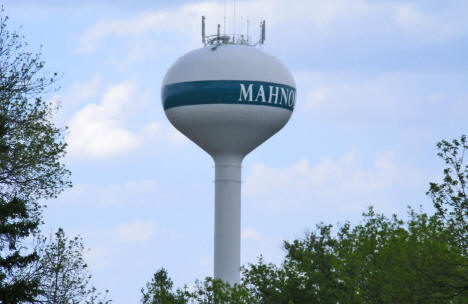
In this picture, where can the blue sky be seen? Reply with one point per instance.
(378, 82)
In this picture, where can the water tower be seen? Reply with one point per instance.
(228, 97)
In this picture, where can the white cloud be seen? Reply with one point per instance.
(175, 137)
(77, 94)
(164, 133)
(436, 97)
(250, 233)
(183, 19)
(315, 97)
(373, 100)
(82, 91)
(138, 231)
(99, 258)
(98, 130)
(351, 23)
(130, 192)
(153, 130)
(346, 183)
(186, 18)
(427, 25)
(104, 128)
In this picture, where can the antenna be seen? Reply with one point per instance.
(234, 20)
(224, 25)
(225, 83)
(218, 39)
(262, 26)
(247, 30)
(203, 29)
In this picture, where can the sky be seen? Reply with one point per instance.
(379, 83)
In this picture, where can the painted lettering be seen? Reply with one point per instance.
(284, 96)
(245, 93)
(279, 95)
(261, 93)
(273, 94)
(291, 98)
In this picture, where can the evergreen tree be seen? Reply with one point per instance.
(63, 274)
(31, 149)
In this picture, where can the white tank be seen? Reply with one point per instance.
(228, 99)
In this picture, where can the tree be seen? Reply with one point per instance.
(450, 196)
(215, 291)
(265, 282)
(31, 148)
(30, 167)
(62, 272)
(451, 201)
(210, 291)
(16, 223)
(422, 259)
(159, 290)
(380, 260)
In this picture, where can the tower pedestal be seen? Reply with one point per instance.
(227, 231)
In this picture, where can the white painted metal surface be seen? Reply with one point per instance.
(228, 62)
(228, 100)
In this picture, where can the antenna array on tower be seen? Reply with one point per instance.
(234, 38)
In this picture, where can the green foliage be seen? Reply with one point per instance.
(380, 260)
(32, 145)
(265, 282)
(215, 291)
(31, 148)
(159, 291)
(63, 273)
(16, 223)
(211, 291)
(450, 196)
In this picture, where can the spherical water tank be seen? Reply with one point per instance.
(228, 99)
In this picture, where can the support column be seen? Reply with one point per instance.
(227, 217)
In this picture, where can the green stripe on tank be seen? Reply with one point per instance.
(228, 92)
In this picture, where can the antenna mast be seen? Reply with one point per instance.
(203, 29)
(224, 25)
(262, 35)
(247, 31)
(218, 39)
(234, 20)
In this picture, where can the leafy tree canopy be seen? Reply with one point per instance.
(422, 259)
(31, 149)
(32, 146)
(62, 273)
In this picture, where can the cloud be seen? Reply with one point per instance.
(98, 257)
(349, 96)
(316, 20)
(346, 183)
(315, 97)
(153, 130)
(429, 25)
(105, 195)
(250, 233)
(98, 130)
(77, 94)
(110, 126)
(375, 100)
(436, 97)
(80, 91)
(136, 231)
(183, 19)
(186, 19)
